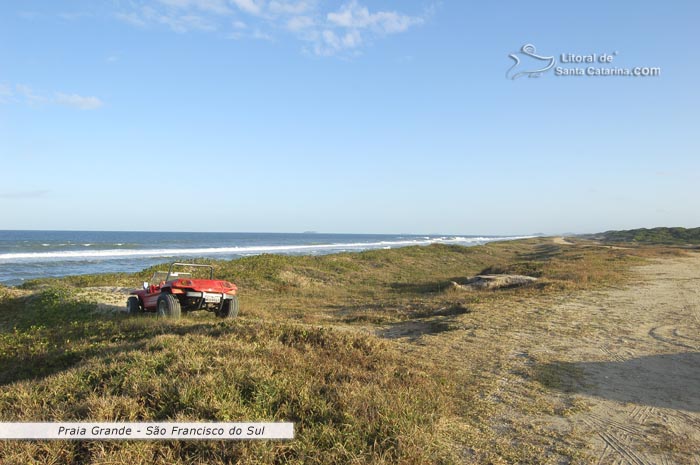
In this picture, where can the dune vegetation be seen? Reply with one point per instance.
(661, 235)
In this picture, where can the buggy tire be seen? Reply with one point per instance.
(133, 306)
(229, 309)
(169, 307)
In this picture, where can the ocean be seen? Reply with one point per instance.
(26, 255)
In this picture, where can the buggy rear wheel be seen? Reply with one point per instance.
(133, 306)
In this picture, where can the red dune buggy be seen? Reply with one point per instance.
(172, 292)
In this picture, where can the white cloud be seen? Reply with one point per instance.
(353, 26)
(178, 22)
(78, 101)
(261, 35)
(28, 15)
(133, 18)
(354, 16)
(219, 7)
(328, 32)
(22, 93)
(291, 8)
(352, 39)
(185, 23)
(331, 39)
(29, 96)
(175, 19)
(329, 42)
(300, 23)
(5, 92)
(242, 31)
(213, 6)
(249, 6)
(74, 16)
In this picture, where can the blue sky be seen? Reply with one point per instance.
(345, 116)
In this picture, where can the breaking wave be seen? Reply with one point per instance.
(82, 255)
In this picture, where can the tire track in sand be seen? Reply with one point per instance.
(649, 337)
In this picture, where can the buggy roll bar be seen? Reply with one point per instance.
(170, 270)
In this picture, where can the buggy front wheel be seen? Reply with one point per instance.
(229, 309)
(169, 307)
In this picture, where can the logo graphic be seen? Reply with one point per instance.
(527, 63)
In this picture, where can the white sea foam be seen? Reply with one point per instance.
(80, 255)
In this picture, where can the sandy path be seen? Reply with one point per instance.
(638, 351)
(561, 241)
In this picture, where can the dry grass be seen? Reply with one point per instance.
(340, 388)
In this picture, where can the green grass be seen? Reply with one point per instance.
(340, 389)
(306, 348)
(655, 236)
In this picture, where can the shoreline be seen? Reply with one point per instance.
(70, 258)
